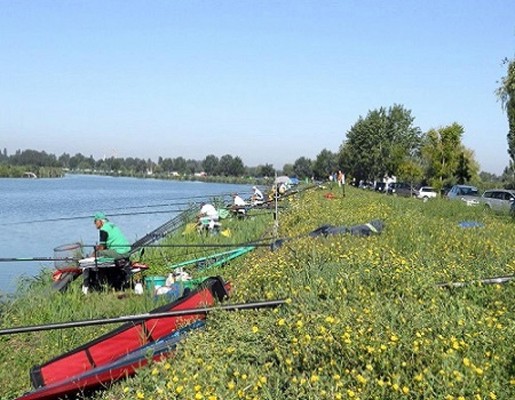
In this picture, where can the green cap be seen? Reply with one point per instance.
(100, 215)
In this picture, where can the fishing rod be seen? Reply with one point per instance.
(179, 203)
(174, 202)
(91, 216)
(6, 259)
(142, 317)
(264, 242)
(204, 197)
(486, 281)
(259, 243)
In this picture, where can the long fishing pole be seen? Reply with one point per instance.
(245, 244)
(263, 242)
(91, 216)
(122, 208)
(179, 203)
(14, 259)
(486, 281)
(174, 202)
(141, 317)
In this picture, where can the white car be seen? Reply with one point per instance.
(425, 193)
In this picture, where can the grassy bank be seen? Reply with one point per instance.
(365, 319)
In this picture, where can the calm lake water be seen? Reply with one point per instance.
(74, 199)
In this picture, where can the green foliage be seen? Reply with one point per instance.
(467, 170)
(230, 166)
(462, 172)
(288, 170)
(303, 168)
(9, 171)
(506, 93)
(266, 170)
(325, 164)
(377, 145)
(441, 151)
(410, 171)
(34, 158)
(210, 164)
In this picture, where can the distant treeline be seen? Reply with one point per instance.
(42, 164)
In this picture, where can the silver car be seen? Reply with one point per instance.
(468, 194)
(498, 199)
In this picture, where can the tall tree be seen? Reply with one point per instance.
(410, 171)
(193, 166)
(64, 160)
(468, 167)
(210, 164)
(288, 169)
(166, 164)
(506, 93)
(325, 164)
(303, 168)
(179, 165)
(266, 170)
(441, 151)
(237, 168)
(225, 165)
(378, 144)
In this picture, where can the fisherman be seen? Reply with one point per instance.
(238, 205)
(112, 242)
(207, 217)
(257, 196)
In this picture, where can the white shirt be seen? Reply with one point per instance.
(238, 201)
(209, 211)
(258, 194)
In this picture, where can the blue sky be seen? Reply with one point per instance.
(269, 81)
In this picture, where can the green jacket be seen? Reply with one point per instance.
(115, 238)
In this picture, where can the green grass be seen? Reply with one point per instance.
(365, 319)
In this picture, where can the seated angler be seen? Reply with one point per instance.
(238, 205)
(207, 217)
(112, 244)
(257, 196)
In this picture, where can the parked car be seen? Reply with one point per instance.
(468, 194)
(498, 199)
(401, 189)
(380, 186)
(425, 193)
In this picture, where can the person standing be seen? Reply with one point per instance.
(340, 178)
(341, 181)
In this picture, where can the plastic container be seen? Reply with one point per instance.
(154, 282)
